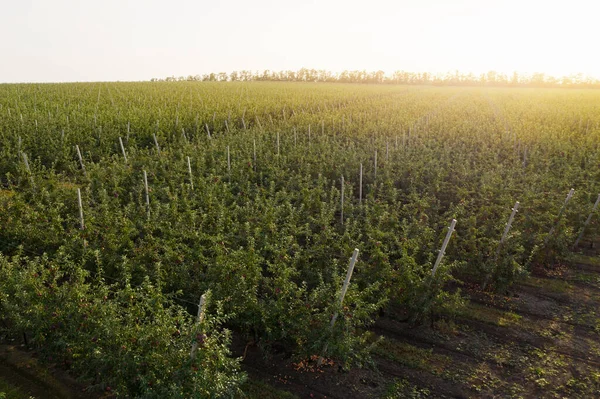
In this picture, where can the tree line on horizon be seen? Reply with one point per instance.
(456, 78)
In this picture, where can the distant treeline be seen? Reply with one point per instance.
(490, 78)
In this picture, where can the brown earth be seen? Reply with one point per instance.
(20, 369)
(542, 341)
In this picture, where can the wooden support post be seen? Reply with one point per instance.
(82, 225)
(353, 260)
(258, 123)
(26, 162)
(80, 160)
(199, 320)
(123, 149)
(147, 192)
(254, 149)
(342, 202)
(189, 165)
(228, 161)
(515, 209)
(184, 135)
(443, 250)
(360, 185)
(511, 218)
(375, 172)
(346, 284)
(156, 143)
(587, 221)
(562, 210)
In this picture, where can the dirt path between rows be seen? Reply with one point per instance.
(542, 341)
(20, 369)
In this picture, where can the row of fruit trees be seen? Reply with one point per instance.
(121, 204)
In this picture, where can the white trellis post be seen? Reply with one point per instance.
(254, 152)
(588, 220)
(375, 172)
(228, 161)
(387, 151)
(353, 260)
(207, 130)
(277, 143)
(258, 123)
(156, 143)
(189, 165)
(342, 202)
(444, 245)
(80, 160)
(184, 135)
(515, 209)
(511, 218)
(26, 162)
(562, 210)
(147, 193)
(360, 178)
(123, 149)
(81, 223)
(199, 320)
(587, 126)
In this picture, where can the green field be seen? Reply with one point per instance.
(255, 196)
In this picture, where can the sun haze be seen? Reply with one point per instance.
(67, 40)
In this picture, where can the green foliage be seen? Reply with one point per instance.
(403, 389)
(264, 232)
(130, 341)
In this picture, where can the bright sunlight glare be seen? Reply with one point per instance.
(68, 40)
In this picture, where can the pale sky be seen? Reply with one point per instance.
(105, 40)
